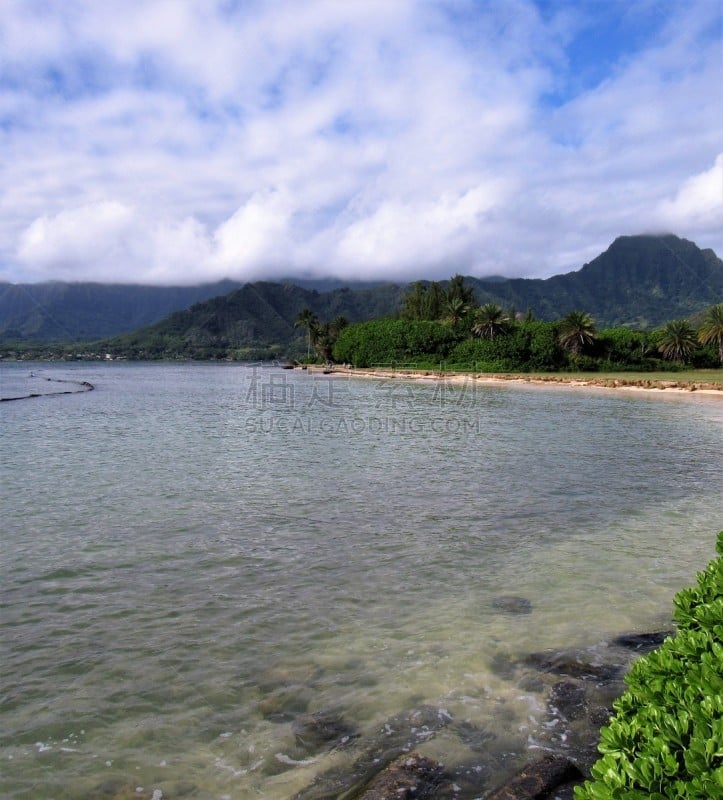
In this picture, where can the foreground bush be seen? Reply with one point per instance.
(666, 740)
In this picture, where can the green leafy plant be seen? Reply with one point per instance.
(665, 741)
(677, 340)
(711, 330)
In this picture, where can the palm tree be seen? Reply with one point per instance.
(677, 340)
(577, 331)
(456, 309)
(337, 325)
(489, 321)
(458, 289)
(326, 335)
(324, 340)
(711, 330)
(307, 319)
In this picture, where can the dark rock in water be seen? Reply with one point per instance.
(398, 736)
(568, 698)
(473, 736)
(290, 676)
(424, 716)
(512, 604)
(600, 715)
(409, 776)
(531, 683)
(284, 705)
(538, 780)
(322, 729)
(109, 788)
(576, 712)
(470, 778)
(122, 790)
(503, 665)
(642, 642)
(565, 792)
(572, 664)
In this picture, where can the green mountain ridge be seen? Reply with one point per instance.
(259, 317)
(76, 312)
(640, 282)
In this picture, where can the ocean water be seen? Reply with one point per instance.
(193, 557)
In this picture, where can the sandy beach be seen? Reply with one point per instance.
(636, 384)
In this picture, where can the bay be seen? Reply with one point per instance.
(194, 556)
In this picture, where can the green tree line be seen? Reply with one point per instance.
(444, 324)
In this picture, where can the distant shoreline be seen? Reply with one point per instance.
(573, 380)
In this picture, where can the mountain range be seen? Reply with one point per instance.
(640, 282)
(78, 312)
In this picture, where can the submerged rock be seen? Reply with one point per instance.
(503, 665)
(512, 604)
(283, 705)
(531, 683)
(408, 776)
(642, 642)
(572, 664)
(322, 729)
(398, 736)
(473, 736)
(116, 789)
(580, 684)
(565, 792)
(568, 698)
(576, 710)
(110, 789)
(538, 780)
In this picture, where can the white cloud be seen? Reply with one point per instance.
(411, 238)
(179, 252)
(108, 241)
(698, 205)
(181, 141)
(100, 234)
(256, 236)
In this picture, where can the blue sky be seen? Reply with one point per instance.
(181, 141)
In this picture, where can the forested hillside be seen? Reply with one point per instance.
(80, 312)
(639, 282)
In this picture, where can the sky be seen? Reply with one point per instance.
(185, 141)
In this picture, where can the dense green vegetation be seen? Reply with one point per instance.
(665, 741)
(486, 339)
(393, 341)
(322, 335)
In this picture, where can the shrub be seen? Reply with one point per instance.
(621, 347)
(393, 341)
(545, 350)
(527, 346)
(665, 741)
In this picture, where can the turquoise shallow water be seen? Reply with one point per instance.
(195, 555)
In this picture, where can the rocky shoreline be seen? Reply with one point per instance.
(580, 687)
(394, 761)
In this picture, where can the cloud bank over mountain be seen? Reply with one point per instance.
(186, 141)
